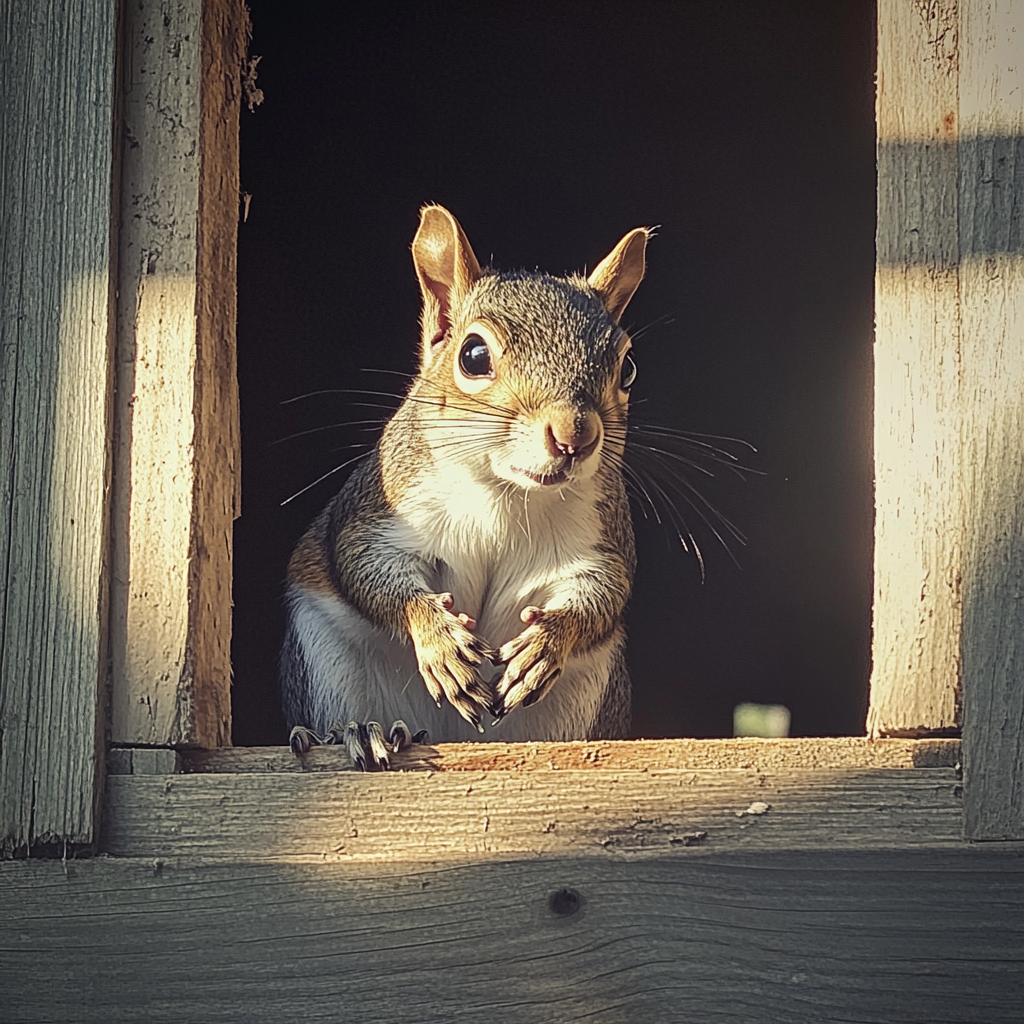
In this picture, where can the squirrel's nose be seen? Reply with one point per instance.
(575, 440)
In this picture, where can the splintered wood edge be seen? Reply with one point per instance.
(609, 755)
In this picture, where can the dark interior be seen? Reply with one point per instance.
(745, 131)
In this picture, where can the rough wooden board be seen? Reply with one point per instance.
(900, 936)
(177, 430)
(153, 477)
(611, 755)
(217, 436)
(56, 169)
(423, 816)
(142, 761)
(918, 516)
(992, 298)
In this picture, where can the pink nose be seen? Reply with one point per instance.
(576, 440)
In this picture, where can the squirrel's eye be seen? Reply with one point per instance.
(475, 357)
(628, 373)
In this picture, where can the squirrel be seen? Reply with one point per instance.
(478, 562)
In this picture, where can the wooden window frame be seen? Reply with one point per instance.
(120, 449)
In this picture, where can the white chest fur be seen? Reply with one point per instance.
(498, 549)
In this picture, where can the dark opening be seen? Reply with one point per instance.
(746, 132)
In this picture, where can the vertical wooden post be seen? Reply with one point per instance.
(917, 606)
(176, 467)
(992, 331)
(949, 412)
(57, 164)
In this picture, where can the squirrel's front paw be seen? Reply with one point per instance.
(364, 741)
(448, 655)
(533, 660)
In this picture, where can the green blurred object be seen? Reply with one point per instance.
(767, 720)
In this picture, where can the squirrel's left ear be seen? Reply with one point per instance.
(446, 268)
(619, 274)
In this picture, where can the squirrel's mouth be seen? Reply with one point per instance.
(543, 479)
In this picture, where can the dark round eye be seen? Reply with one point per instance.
(628, 373)
(475, 357)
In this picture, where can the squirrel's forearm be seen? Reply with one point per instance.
(590, 600)
(378, 578)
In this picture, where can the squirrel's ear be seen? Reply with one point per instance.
(619, 274)
(446, 268)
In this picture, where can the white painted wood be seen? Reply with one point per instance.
(422, 816)
(176, 469)
(917, 605)
(890, 935)
(992, 302)
(56, 169)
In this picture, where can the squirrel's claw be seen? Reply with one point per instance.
(448, 655)
(365, 742)
(302, 740)
(533, 661)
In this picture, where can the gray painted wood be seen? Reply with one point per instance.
(426, 815)
(949, 409)
(56, 167)
(924, 936)
(992, 298)
(142, 761)
(917, 608)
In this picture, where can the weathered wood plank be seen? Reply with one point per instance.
(918, 517)
(217, 439)
(56, 167)
(176, 464)
(887, 936)
(604, 755)
(422, 816)
(992, 296)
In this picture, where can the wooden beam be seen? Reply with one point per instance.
(915, 681)
(176, 470)
(890, 935)
(425, 815)
(591, 755)
(57, 169)
(992, 301)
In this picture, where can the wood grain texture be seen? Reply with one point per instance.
(917, 605)
(218, 468)
(177, 409)
(992, 290)
(595, 755)
(417, 816)
(925, 936)
(56, 167)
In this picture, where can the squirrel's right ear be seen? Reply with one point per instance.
(619, 274)
(446, 268)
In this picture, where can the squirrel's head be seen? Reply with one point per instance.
(523, 372)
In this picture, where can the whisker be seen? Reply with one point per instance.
(679, 481)
(730, 527)
(637, 481)
(320, 479)
(330, 426)
(672, 455)
(662, 321)
(692, 436)
(680, 525)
